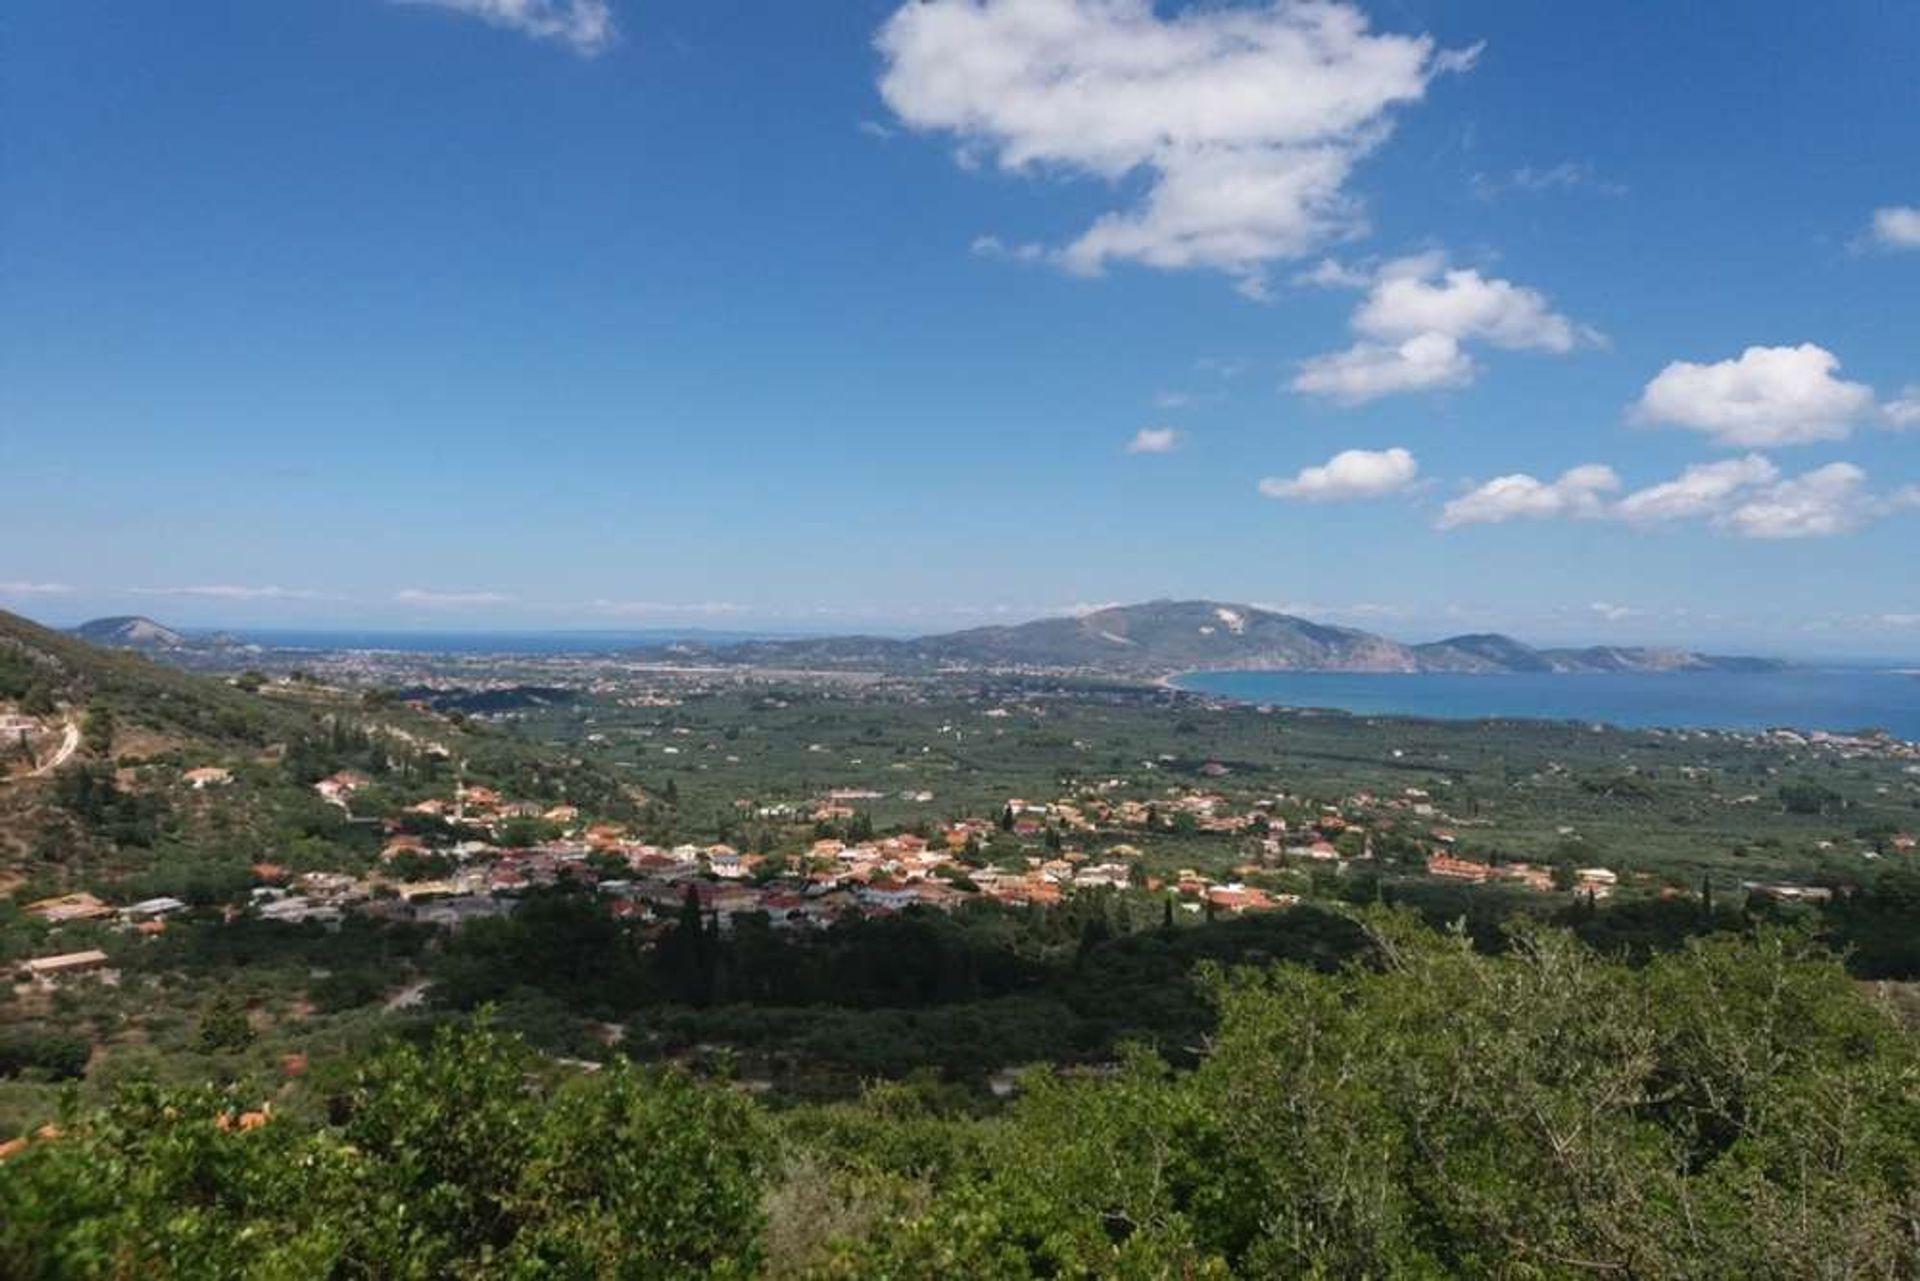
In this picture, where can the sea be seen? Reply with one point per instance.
(1835, 699)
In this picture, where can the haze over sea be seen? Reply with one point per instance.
(1837, 699)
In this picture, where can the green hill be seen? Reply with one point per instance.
(100, 795)
(57, 670)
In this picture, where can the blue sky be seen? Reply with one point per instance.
(1596, 322)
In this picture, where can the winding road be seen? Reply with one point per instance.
(69, 744)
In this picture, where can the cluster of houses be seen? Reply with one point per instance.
(1593, 882)
(146, 917)
(1059, 848)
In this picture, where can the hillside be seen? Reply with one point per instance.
(100, 748)
(1483, 652)
(60, 672)
(1159, 638)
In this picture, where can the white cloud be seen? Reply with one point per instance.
(436, 599)
(1743, 496)
(1154, 440)
(1462, 303)
(1578, 492)
(1765, 396)
(1414, 320)
(1904, 410)
(1612, 613)
(585, 26)
(1351, 473)
(1331, 273)
(1897, 226)
(34, 589)
(1827, 500)
(231, 591)
(1368, 370)
(1701, 490)
(994, 247)
(1245, 121)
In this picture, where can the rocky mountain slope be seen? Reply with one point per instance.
(130, 631)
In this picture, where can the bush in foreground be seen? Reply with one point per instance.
(1735, 1109)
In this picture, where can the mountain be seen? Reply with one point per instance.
(1613, 658)
(1481, 652)
(1159, 638)
(1163, 636)
(130, 631)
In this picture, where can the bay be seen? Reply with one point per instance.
(1834, 699)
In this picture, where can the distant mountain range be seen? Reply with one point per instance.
(1160, 638)
(1151, 640)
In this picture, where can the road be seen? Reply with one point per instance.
(69, 744)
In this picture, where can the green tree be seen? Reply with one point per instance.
(224, 1026)
(97, 736)
(468, 1157)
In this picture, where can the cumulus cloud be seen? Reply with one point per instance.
(1368, 370)
(1245, 122)
(1154, 440)
(1903, 410)
(1579, 492)
(1827, 500)
(231, 591)
(1351, 473)
(1701, 490)
(585, 26)
(437, 599)
(34, 589)
(1766, 396)
(1331, 273)
(1418, 299)
(1897, 226)
(1745, 496)
(1413, 321)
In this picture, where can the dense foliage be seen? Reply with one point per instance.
(466, 1158)
(1737, 1107)
(1731, 1109)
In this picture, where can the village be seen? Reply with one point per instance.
(1029, 854)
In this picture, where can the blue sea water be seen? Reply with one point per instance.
(1837, 699)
